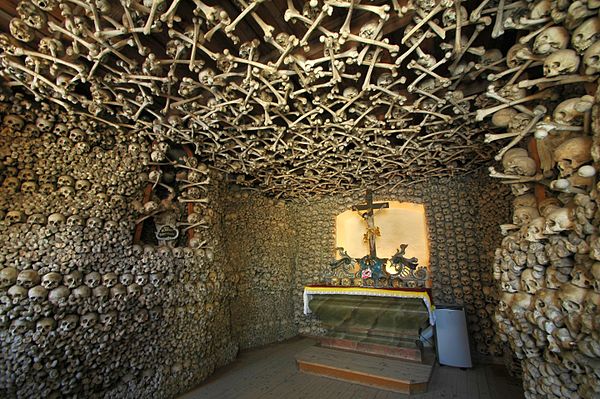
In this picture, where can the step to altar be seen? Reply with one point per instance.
(370, 370)
(397, 348)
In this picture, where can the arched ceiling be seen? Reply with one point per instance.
(294, 98)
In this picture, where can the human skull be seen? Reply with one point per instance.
(110, 279)
(595, 271)
(550, 40)
(449, 16)
(554, 278)
(521, 165)
(74, 221)
(591, 59)
(60, 129)
(28, 278)
(29, 187)
(47, 188)
(108, 319)
(14, 122)
(535, 230)
(530, 283)
(561, 62)
(88, 320)
(68, 323)
(51, 280)
(65, 180)
(586, 34)
(572, 297)
(503, 117)
(82, 185)
(524, 215)
(93, 279)
(14, 217)
(59, 295)
(572, 154)
(581, 277)
(141, 279)
(8, 276)
(44, 124)
(11, 183)
(19, 327)
(73, 279)
(80, 293)
(118, 292)
(17, 294)
(133, 290)
(558, 220)
(37, 294)
(101, 292)
(155, 279)
(56, 220)
(31, 15)
(45, 325)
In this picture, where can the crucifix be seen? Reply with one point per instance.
(370, 218)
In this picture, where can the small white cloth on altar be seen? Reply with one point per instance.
(398, 293)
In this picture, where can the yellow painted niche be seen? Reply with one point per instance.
(401, 223)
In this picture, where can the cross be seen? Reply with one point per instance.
(370, 218)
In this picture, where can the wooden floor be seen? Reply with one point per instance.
(271, 372)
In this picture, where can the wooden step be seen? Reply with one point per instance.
(375, 371)
(402, 349)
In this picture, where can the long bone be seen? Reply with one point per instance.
(482, 113)
(445, 82)
(513, 179)
(539, 112)
(292, 13)
(326, 10)
(151, 17)
(434, 27)
(381, 11)
(438, 7)
(170, 16)
(516, 70)
(413, 47)
(491, 93)
(478, 29)
(498, 29)
(557, 80)
(414, 83)
(476, 13)
(367, 81)
(384, 43)
(231, 27)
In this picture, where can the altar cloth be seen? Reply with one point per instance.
(309, 291)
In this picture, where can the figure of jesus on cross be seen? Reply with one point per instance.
(369, 217)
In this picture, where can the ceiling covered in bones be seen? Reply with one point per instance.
(297, 98)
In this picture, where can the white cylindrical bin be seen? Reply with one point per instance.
(452, 336)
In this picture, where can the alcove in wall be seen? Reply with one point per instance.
(401, 223)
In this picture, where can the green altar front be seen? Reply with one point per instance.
(373, 323)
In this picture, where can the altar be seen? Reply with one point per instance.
(382, 321)
(424, 294)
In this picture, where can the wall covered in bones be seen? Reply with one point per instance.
(460, 266)
(83, 311)
(260, 246)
